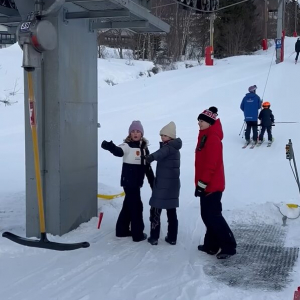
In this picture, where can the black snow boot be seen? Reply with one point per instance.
(141, 239)
(224, 254)
(208, 251)
(169, 241)
(124, 234)
(152, 241)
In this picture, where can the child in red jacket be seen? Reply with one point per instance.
(210, 184)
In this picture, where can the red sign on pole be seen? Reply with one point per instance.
(32, 114)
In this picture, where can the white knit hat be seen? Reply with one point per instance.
(169, 130)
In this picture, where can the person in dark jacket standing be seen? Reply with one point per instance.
(210, 184)
(297, 49)
(165, 193)
(133, 150)
(267, 120)
(250, 105)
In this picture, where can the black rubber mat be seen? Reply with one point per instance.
(261, 261)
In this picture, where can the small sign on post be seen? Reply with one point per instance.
(278, 46)
(278, 43)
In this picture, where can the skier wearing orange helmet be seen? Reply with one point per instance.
(267, 120)
(266, 104)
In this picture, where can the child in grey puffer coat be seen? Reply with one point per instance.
(165, 193)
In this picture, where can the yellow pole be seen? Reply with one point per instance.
(292, 205)
(32, 117)
(110, 197)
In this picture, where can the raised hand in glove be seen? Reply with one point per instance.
(107, 145)
(200, 189)
(149, 158)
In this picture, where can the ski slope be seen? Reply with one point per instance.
(113, 268)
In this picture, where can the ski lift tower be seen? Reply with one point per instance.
(65, 88)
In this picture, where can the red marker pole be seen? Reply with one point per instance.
(297, 294)
(100, 219)
(265, 44)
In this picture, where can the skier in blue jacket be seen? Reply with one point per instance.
(250, 105)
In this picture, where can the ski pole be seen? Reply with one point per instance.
(242, 129)
(280, 123)
(285, 122)
(291, 54)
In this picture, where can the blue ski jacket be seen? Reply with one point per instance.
(250, 105)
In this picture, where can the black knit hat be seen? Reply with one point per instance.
(209, 115)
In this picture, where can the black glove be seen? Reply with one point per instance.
(107, 145)
(200, 189)
(149, 158)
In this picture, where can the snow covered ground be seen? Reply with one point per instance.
(113, 71)
(114, 268)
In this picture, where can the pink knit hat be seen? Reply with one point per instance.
(136, 125)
